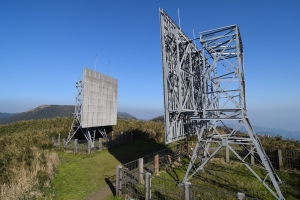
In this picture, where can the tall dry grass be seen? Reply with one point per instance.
(27, 165)
(27, 182)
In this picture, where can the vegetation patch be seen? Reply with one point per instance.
(28, 162)
(81, 174)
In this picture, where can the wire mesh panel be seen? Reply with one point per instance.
(132, 165)
(70, 146)
(291, 159)
(149, 163)
(162, 188)
(273, 157)
(131, 186)
(198, 192)
(82, 145)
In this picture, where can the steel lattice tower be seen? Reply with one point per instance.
(205, 89)
(88, 133)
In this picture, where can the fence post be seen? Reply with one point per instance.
(53, 140)
(64, 143)
(119, 180)
(89, 146)
(227, 159)
(100, 144)
(240, 196)
(178, 152)
(75, 146)
(156, 164)
(58, 141)
(280, 163)
(252, 156)
(141, 170)
(187, 191)
(111, 142)
(148, 186)
(169, 158)
(186, 144)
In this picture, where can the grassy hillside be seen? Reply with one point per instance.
(79, 175)
(50, 127)
(28, 161)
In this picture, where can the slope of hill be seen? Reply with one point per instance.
(6, 115)
(44, 111)
(158, 119)
(125, 115)
(50, 111)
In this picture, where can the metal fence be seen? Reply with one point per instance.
(280, 159)
(138, 179)
(81, 146)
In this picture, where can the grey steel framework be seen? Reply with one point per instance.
(204, 90)
(96, 105)
(182, 86)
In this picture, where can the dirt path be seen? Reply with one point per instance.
(99, 194)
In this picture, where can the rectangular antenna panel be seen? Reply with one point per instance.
(100, 97)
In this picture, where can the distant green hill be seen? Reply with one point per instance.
(48, 111)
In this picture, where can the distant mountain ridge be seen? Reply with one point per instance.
(44, 111)
(48, 111)
(125, 115)
(6, 115)
(160, 118)
(258, 129)
(286, 134)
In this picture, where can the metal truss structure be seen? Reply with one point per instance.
(182, 65)
(89, 133)
(204, 95)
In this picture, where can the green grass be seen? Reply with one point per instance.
(81, 174)
(233, 178)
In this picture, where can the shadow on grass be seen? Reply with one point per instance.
(111, 182)
(135, 149)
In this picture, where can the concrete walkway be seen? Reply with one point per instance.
(100, 194)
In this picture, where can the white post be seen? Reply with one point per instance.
(148, 186)
(227, 159)
(119, 180)
(187, 191)
(75, 146)
(89, 146)
(240, 196)
(141, 170)
(100, 144)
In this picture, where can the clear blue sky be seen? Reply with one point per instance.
(45, 44)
